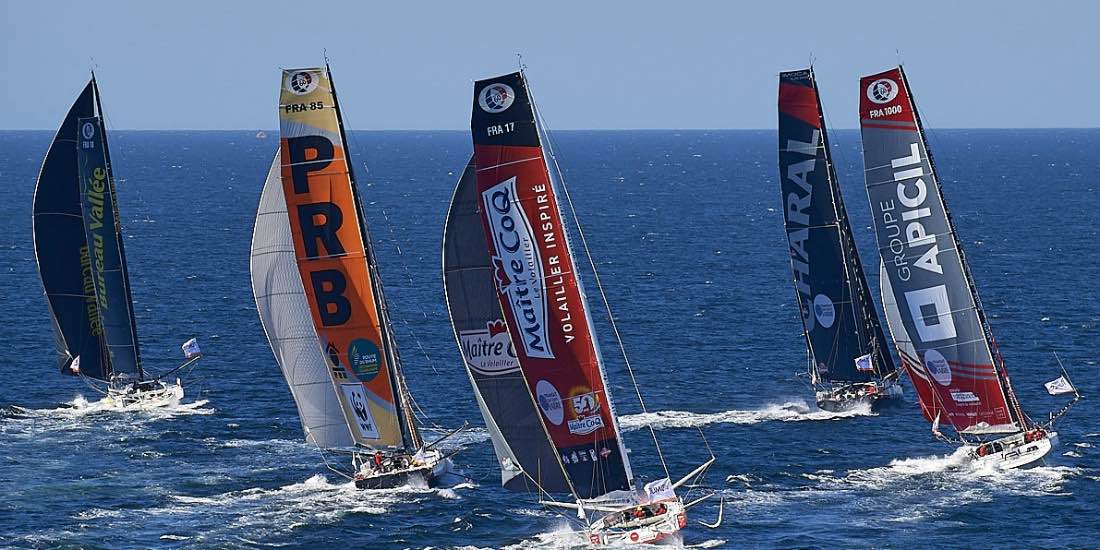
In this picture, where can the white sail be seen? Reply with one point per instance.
(286, 318)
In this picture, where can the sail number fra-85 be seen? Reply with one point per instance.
(302, 107)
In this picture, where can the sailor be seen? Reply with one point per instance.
(378, 460)
(639, 513)
(661, 509)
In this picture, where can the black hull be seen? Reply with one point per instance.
(397, 479)
(838, 403)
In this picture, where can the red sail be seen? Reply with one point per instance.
(538, 287)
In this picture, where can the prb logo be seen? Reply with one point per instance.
(824, 310)
(496, 98)
(549, 401)
(87, 130)
(302, 82)
(882, 91)
(936, 365)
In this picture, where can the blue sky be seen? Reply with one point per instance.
(409, 64)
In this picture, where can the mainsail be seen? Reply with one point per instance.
(79, 248)
(838, 314)
(527, 459)
(338, 276)
(932, 306)
(539, 290)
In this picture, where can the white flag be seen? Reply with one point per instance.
(660, 489)
(75, 365)
(191, 349)
(1059, 386)
(863, 363)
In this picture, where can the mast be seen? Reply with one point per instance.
(410, 433)
(118, 232)
(1002, 373)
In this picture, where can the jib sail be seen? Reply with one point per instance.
(527, 459)
(335, 263)
(538, 288)
(285, 315)
(79, 250)
(838, 314)
(932, 306)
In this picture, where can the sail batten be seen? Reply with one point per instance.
(839, 319)
(932, 306)
(537, 288)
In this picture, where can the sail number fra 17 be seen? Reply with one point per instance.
(498, 129)
(886, 111)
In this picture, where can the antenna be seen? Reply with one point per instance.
(897, 53)
(519, 62)
(324, 53)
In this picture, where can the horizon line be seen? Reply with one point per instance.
(275, 130)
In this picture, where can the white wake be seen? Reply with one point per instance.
(791, 411)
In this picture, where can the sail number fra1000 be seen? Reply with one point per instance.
(303, 107)
(887, 111)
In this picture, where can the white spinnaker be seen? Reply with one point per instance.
(288, 322)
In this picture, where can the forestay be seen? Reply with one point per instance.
(538, 288)
(838, 314)
(931, 304)
(527, 459)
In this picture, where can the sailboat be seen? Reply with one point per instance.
(524, 329)
(937, 321)
(321, 301)
(849, 360)
(81, 260)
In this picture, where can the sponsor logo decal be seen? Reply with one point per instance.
(965, 398)
(302, 82)
(489, 351)
(518, 266)
(824, 310)
(357, 402)
(585, 425)
(797, 212)
(882, 91)
(87, 130)
(586, 412)
(937, 366)
(363, 356)
(549, 402)
(496, 98)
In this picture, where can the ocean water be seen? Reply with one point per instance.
(687, 231)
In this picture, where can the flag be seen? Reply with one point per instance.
(863, 363)
(660, 489)
(75, 365)
(191, 349)
(1059, 386)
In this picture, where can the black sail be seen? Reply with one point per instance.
(527, 459)
(838, 314)
(61, 249)
(107, 264)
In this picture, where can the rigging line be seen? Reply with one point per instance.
(331, 467)
(596, 276)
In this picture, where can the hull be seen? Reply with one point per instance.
(153, 396)
(871, 394)
(658, 520)
(1022, 450)
(410, 472)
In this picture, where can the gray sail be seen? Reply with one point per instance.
(935, 316)
(527, 460)
(287, 321)
(838, 314)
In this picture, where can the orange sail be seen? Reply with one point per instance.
(331, 251)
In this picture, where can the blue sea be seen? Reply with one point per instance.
(686, 228)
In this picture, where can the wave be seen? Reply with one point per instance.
(80, 406)
(790, 411)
